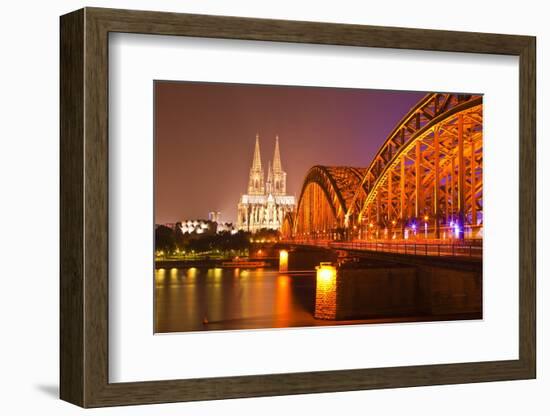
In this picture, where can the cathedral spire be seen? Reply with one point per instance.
(266, 202)
(277, 157)
(279, 176)
(257, 162)
(256, 184)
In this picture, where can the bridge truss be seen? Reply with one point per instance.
(425, 182)
(325, 199)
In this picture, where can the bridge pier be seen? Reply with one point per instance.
(362, 290)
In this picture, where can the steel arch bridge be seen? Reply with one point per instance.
(426, 181)
(325, 199)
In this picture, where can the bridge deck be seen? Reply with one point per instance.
(470, 249)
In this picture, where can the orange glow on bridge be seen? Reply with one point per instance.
(425, 182)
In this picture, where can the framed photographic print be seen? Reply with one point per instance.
(259, 207)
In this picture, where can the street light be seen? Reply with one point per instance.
(426, 226)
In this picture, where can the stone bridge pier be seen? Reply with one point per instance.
(364, 289)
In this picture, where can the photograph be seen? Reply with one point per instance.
(279, 206)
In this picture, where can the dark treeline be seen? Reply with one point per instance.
(170, 239)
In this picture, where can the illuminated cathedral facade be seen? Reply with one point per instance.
(266, 203)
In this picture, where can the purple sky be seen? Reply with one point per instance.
(205, 133)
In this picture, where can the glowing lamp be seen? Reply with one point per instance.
(326, 272)
(283, 261)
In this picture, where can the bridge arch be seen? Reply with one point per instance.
(287, 228)
(324, 201)
(426, 179)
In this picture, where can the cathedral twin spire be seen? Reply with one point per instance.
(276, 177)
(266, 202)
(277, 167)
(257, 162)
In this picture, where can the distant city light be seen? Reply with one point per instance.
(201, 226)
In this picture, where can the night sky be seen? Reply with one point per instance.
(205, 133)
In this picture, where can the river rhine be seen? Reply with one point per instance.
(199, 299)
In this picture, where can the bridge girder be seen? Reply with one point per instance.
(427, 172)
(435, 182)
(324, 199)
(432, 180)
(287, 228)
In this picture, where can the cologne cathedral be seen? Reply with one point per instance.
(266, 202)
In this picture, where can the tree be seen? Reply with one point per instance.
(180, 239)
(164, 239)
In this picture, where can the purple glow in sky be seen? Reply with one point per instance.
(205, 133)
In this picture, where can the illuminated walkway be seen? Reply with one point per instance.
(441, 248)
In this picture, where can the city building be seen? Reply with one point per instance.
(214, 216)
(266, 202)
(225, 227)
(207, 227)
(197, 227)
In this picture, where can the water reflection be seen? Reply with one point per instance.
(197, 299)
(283, 301)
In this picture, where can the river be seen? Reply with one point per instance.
(199, 299)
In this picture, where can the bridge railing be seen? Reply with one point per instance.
(473, 248)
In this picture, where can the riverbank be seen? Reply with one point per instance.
(186, 263)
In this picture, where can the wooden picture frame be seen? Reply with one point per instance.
(84, 207)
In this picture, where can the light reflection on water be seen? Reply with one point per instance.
(198, 299)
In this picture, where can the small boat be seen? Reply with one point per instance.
(244, 263)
